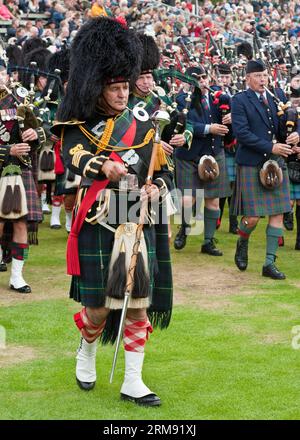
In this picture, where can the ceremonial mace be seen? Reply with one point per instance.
(159, 118)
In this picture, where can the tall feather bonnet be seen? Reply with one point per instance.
(102, 52)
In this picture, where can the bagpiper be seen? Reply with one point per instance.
(104, 143)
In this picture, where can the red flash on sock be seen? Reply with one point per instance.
(136, 334)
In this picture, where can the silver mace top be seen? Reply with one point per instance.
(160, 118)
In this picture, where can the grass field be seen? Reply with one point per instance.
(226, 355)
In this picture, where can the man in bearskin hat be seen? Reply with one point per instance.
(143, 102)
(104, 143)
(145, 81)
(141, 96)
(19, 203)
(262, 181)
(207, 129)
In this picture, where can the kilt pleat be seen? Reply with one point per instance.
(294, 191)
(230, 166)
(251, 198)
(33, 200)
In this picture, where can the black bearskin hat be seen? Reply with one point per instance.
(102, 50)
(60, 60)
(32, 44)
(40, 56)
(14, 55)
(151, 55)
(245, 49)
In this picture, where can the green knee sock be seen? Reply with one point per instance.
(245, 231)
(210, 223)
(272, 243)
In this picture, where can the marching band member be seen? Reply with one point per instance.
(256, 127)
(99, 137)
(20, 206)
(208, 128)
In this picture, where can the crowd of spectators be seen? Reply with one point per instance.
(235, 20)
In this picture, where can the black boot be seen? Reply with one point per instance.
(3, 267)
(288, 220)
(233, 224)
(241, 254)
(271, 271)
(180, 239)
(210, 249)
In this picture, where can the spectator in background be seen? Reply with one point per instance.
(98, 9)
(43, 6)
(40, 26)
(5, 13)
(23, 6)
(57, 13)
(34, 6)
(34, 32)
(20, 35)
(12, 30)
(13, 7)
(28, 26)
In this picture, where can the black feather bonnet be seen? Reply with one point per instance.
(102, 52)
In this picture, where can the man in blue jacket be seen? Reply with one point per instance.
(207, 128)
(256, 126)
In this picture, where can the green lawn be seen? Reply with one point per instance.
(226, 355)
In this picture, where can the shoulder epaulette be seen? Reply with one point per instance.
(58, 125)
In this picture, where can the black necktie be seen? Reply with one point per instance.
(263, 100)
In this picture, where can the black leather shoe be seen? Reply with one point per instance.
(23, 289)
(3, 267)
(271, 271)
(85, 386)
(210, 249)
(297, 245)
(55, 227)
(180, 239)
(288, 220)
(241, 254)
(149, 400)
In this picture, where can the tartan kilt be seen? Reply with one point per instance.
(251, 198)
(294, 191)
(230, 166)
(33, 200)
(95, 244)
(187, 177)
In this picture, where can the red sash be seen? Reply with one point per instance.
(73, 266)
